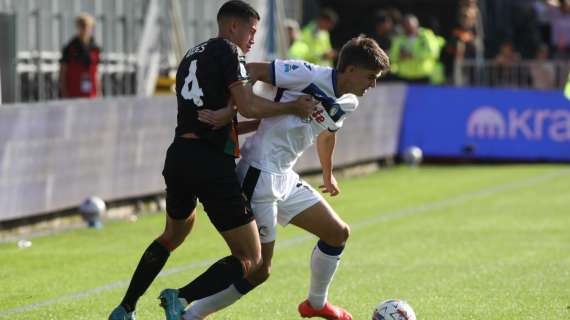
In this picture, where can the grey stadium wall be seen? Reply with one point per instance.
(54, 154)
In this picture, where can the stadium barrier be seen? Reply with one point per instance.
(483, 123)
(536, 74)
(55, 154)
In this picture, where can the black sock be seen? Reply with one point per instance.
(218, 277)
(149, 267)
(243, 286)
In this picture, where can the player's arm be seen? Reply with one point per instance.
(255, 107)
(247, 126)
(325, 148)
(252, 106)
(260, 71)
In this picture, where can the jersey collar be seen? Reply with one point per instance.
(333, 76)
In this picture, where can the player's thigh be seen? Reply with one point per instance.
(244, 243)
(265, 214)
(220, 193)
(179, 177)
(262, 193)
(322, 221)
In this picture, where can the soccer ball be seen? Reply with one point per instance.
(91, 210)
(394, 310)
(413, 156)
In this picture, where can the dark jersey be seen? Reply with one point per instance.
(202, 82)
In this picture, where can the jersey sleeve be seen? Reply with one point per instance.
(345, 105)
(292, 74)
(232, 63)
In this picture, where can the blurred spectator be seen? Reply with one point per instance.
(396, 17)
(463, 41)
(383, 30)
(560, 30)
(296, 49)
(542, 70)
(317, 39)
(542, 12)
(78, 75)
(415, 53)
(526, 30)
(292, 31)
(567, 88)
(506, 64)
(507, 55)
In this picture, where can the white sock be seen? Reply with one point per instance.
(323, 267)
(200, 309)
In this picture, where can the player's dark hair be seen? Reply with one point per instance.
(237, 9)
(363, 52)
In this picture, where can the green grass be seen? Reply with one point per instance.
(478, 242)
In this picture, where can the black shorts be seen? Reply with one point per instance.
(195, 169)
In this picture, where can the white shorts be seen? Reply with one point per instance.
(275, 198)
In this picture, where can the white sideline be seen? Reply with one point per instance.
(393, 215)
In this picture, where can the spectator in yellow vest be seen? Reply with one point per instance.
(295, 48)
(415, 53)
(315, 44)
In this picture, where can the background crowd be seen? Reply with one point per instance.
(509, 43)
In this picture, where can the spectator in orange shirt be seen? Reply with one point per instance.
(78, 76)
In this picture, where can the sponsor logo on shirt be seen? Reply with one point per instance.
(318, 115)
(290, 67)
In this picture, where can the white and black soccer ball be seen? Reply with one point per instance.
(413, 156)
(394, 310)
(91, 210)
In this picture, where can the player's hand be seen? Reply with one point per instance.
(330, 186)
(217, 118)
(304, 106)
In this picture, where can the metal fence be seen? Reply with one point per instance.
(550, 74)
(43, 27)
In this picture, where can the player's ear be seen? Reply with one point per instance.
(234, 25)
(350, 68)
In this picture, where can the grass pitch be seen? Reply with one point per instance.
(464, 242)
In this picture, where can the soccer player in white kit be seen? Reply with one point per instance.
(275, 191)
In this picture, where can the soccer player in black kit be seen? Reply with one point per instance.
(200, 164)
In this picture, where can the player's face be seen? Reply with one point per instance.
(245, 34)
(361, 79)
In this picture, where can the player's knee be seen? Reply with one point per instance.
(345, 232)
(171, 240)
(340, 236)
(251, 263)
(260, 275)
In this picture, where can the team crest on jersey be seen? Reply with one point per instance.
(290, 67)
(334, 109)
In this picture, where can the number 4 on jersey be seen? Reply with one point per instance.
(196, 92)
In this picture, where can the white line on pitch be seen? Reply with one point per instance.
(391, 215)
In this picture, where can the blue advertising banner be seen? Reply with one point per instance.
(486, 123)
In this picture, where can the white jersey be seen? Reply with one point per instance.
(280, 141)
